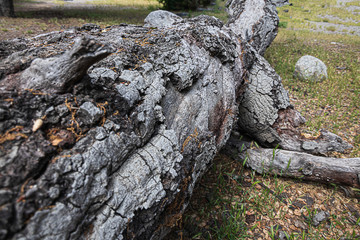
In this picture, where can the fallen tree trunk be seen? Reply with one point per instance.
(115, 153)
(343, 171)
(107, 134)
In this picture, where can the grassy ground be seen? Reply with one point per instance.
(335, 103)
(232, 202)
(36, 17)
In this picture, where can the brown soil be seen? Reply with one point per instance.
(28, 27)
(39, 17)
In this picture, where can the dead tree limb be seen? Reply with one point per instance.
(344, 171)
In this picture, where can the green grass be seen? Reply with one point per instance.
(333, 104)
(331, 28)
(100, 16)
(130, 12)
(354, 3)
(303, 11)
(121, 11)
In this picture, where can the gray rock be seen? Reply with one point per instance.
(320, 217)
(161, 19)
(309, 68)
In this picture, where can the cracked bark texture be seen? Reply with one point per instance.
(104, 132)
(265, 112)
(264, 95)
(254, 21)
(115, 153)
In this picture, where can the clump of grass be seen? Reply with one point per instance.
(283, 24)
(4, 29)
(331, 28)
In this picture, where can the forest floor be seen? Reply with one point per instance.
(231, 201)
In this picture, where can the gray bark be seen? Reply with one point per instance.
(99, 146)
(6, 8)
(117, 153)
(344, 171)
(265, 112)
(255, 22)
(57, 74)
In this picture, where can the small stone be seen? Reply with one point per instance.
(320, 217)
(309, 68)
(89, 113)
(49, 110)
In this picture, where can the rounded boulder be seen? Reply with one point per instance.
(309, 68)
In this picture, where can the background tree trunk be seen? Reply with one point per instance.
(6, 8)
